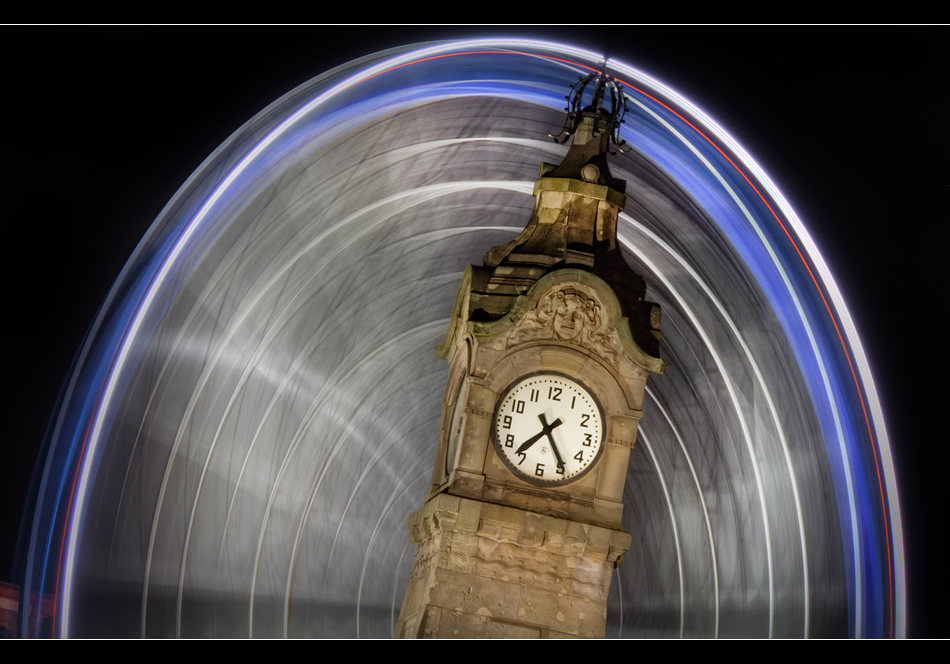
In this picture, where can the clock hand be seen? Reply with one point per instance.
(548, 427)
(547, 432)
(528, 443)
(557, 455)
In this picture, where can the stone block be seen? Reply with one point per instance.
(554, 533)
(523, 363)
(575, 536)
(554, 634)
(456, 625)
(613, 474)
(608, 512)
(598, 543)
(444, 503)
(619, 545)
(468, 515)
(475, 441)
(592, 579)
(416, 596)
(457, 551)
(550, 199)
(499, 530)
(531, 501)
(564, 613)
(502, 515)
(554, 358)
(497, 630)
(525, 566)
(553, 526)
(467, 483)
(407, 627)
(532, 532)
(429, 625)
(551, 215)
(481, 398)
(467, 593)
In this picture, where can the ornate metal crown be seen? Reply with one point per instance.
(597, 86)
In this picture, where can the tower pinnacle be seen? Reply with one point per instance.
(595, 111)
(574, 222)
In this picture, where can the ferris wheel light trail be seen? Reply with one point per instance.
(866, 379)
(242, 410)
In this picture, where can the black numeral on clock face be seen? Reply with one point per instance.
(535, 394)
(584, 421)
(573, 400)
(587, 440)
(507, 422)
(560, 469)
(554, 393)
(523, 457)
(539, 470)
(580, 456)
(518, 406)
(509, 440)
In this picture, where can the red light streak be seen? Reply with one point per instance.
(744, 176)
(69, 509)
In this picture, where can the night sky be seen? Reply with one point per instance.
(849, 122)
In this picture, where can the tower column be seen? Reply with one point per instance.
(489, 571)
(549, 347)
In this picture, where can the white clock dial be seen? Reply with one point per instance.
(548, 429)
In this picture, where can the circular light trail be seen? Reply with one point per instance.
(253, 415)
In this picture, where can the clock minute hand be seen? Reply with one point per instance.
(548, 427)
(547, 432)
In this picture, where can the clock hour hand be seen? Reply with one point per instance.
(528, 443)
(546, 431)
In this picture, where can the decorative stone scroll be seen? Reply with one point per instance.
(566, 313)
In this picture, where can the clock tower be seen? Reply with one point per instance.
(549, 347)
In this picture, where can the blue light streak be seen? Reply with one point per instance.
(531, 72)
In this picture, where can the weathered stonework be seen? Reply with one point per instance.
(498, 556)
(568, 313)
(490, 571)
(570, 323)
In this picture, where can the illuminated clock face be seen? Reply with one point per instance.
(548, 429)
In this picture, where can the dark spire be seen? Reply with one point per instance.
(595, 111)
(597, 87)
(574, 222)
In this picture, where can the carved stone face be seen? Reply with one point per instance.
(566, 313)
(568, 318)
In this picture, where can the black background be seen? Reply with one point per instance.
(103, 124)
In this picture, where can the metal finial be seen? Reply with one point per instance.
(606, 117)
